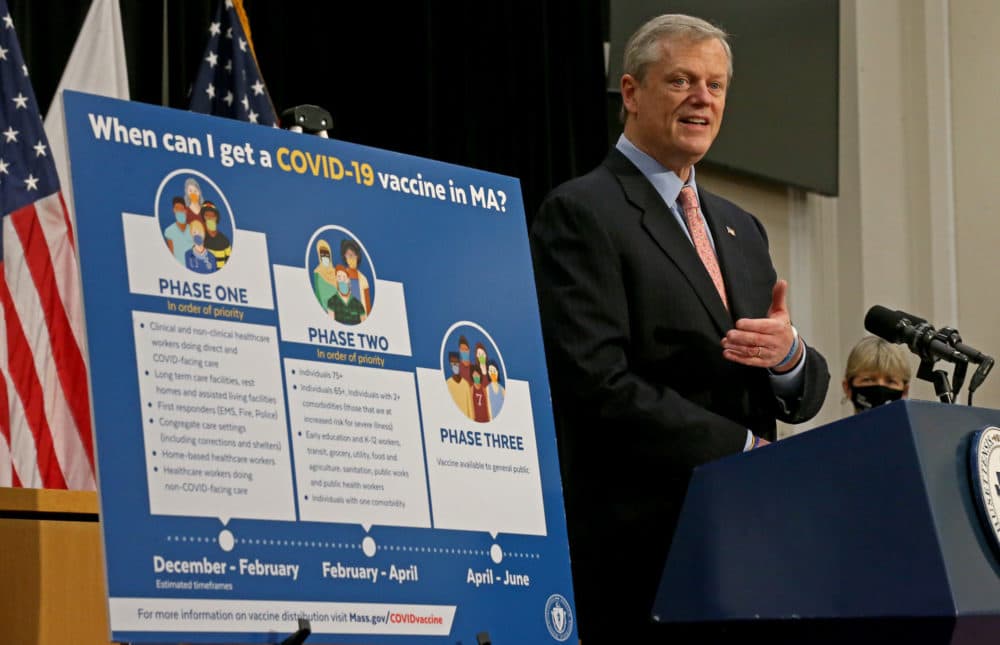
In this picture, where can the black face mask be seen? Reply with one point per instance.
(871, 396)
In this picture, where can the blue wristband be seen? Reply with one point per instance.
(791, 352)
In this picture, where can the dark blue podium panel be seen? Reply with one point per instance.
(871, 517)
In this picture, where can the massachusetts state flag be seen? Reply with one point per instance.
(45, 425)
(229, 82)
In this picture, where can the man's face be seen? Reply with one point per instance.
(675, 113)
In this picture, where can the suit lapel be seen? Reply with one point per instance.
(663, 227)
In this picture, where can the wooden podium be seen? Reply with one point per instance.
(52, 588)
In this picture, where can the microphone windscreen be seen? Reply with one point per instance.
(884, 323)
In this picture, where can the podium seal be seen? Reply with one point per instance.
(984, 470)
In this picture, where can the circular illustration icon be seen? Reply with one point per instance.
(474, 372)
(196, 221)
(342, 275)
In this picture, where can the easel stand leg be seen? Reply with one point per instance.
(300, 636)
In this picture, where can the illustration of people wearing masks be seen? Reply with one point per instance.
(216, 241)
(464, 364)
(458, 387)
(324, 275)
(192, 196)
(197, 258)
(343, 306)
(494, 391)
(350, 251)
(480, 401)
(481, 363)
(177, 235)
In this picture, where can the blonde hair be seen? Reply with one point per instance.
(873, 354)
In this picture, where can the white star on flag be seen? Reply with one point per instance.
(3, 167)
(8, 21)
(3, 53)
(21, 101)
(31, 182)
(229, 81)
(11, 134)
(39, 149)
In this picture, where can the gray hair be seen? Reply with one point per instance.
(643, 48)
(190, 183)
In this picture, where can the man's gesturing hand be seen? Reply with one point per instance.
(764, 342)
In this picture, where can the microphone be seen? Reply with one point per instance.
(952, 338)
(917, 334)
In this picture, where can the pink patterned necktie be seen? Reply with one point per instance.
(696, 226)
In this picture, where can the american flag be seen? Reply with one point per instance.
(45, 425)
(229, 82)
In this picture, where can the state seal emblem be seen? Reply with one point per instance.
(984, 470)
(558, 617)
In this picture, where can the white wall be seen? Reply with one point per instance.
(916, 225)
(975, 84)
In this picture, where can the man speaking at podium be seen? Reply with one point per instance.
(667, 333)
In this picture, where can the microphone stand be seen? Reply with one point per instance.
(311, 119)
(949, 393)
(939, 378)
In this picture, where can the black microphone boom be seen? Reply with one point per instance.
(914, 332)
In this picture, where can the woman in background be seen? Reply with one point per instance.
(878, 372)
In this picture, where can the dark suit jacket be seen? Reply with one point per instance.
(641, 392)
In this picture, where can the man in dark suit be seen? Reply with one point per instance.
(667, 333)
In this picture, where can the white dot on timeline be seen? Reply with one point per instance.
(368, 546)
(496, 554)
(226, 540)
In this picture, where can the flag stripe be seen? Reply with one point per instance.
(67, 268)
(6, 463)
(20, 453)
(58, 361)
(30, 394)
(58, 230)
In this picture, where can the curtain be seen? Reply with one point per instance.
(510, 87)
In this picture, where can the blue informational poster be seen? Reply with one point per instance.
(319, 388)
